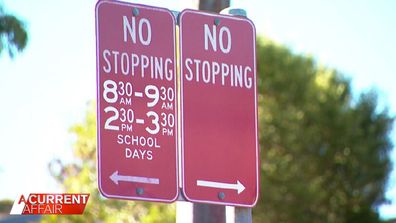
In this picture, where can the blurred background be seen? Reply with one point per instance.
(327, 103)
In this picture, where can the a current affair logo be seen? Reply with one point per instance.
(60, 204)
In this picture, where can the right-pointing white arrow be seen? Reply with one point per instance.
(237, 186)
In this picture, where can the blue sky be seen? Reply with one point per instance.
(45, 89)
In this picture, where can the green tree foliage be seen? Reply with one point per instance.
(5, 206)
(324, 156)
(81, 177)
(13, 34)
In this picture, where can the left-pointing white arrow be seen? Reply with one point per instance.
(237, 186)
(115, 178)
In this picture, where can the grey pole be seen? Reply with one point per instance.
(237, 214)
(209, 212)
(243, 215)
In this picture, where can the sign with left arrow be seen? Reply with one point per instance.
(136, 97)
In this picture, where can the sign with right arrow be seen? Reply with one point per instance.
(220, 154)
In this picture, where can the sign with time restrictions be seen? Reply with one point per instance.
(136, 97)
(219, 140)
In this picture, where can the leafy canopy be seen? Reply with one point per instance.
(13, 33)
(324, 158)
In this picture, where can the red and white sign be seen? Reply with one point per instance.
(136, 96)
(220, 154)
